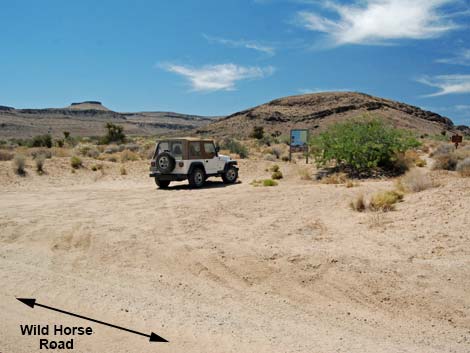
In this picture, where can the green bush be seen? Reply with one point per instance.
(257, 133)
(76, 162)
(235, 147)
(41, 141)
(269, 182)
(277, 175)
(115, 133)
(361, 145)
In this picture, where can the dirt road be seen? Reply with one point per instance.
(237, 269)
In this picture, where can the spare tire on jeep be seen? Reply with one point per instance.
(165, 162)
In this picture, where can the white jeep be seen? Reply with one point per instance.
(178, 159)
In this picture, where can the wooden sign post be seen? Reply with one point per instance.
(457, 139)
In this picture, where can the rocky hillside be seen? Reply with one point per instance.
(89, 118)
(316, 111)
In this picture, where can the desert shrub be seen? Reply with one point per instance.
(463, 167)
(127, 155)
(351, 184)
(114, 133)
(361, 145)
(445, 161)
(112, 149)
(269, 182)
(41, 141)
(420, 163)
(39, 161)
(45, 153)
(123, 170)
(285, 158)
(61, 152)
(305, 174)
(257, 133)
(269, 157)
(274, 168)
(235, 147)
(277, 175)
(264, 182)
(76, 162)
(415, 181)
(6, 155)
(385, 200)
(276, 151)
(443, 149)
(96, 167)
(132, 147)
(88, 151)
(336, 178)
(19, 164)
(359, 203)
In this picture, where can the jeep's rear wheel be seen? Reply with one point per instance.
(165, 162)
(162, 184)
(230, 176)
(197, 178)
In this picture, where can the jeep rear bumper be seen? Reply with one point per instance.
(168, 177)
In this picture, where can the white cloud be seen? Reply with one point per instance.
(462, 58)
(447, 84)
(381, 21)
(241, 43)
(218, 77)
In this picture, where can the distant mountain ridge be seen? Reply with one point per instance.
(318, 110)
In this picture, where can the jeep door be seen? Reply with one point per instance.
(211, 161)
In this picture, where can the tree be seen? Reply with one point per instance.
(115, 133)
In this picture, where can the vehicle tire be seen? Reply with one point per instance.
(165, 162)
(230, 175)
(197, 178)
(162, 184)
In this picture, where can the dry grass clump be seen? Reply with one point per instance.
(39, 161)
(305, 174)
(128, 155)
(382, 201)
(88, 151)
(277, 175)
(6, 155)
(337, 178)
(463, 167)
(264, 182)
(123, 170)
(445, 161)
(385, 200)
(359, 203)
(96, 167)
(61, 152)
(269, 157)
(76, 162)
(420, 163)
(19, 164)
(46, 153)
(415, 181)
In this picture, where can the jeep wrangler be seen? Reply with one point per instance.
(194, 159)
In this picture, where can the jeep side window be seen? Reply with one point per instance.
(209, 149)
(177, 150)
(194, 150)
(162, 147)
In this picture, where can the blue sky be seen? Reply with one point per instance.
(218, 57)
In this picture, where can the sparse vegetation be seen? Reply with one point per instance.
(76, 162)
(19, 164)
(415, 181)
(235, 146)
(6, 155)
(257, 133)
(463, 167)
(115, 133)
(361, 145)
(359, 203)
(264, 182)
(39, 161)
(385, 200)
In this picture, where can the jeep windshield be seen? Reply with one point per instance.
(174, 147)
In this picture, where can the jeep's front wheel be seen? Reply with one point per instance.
(162, 184)
(230, 175)
(197, 178)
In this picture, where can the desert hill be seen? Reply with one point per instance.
(316, 111)
(89, 118)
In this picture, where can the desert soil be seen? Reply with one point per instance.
(233, 269)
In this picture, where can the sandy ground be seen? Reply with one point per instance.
(233, 269)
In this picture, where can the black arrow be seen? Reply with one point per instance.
(32, 302)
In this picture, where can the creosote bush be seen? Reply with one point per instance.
(361, 145)
(76, 162)
(19, 164)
